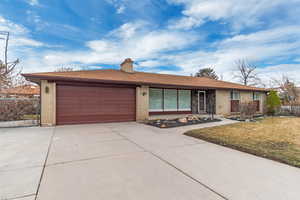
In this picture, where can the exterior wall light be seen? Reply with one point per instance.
(46, 89)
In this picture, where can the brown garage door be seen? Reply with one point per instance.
(86, 104)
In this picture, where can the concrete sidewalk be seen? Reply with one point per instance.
(19, 123)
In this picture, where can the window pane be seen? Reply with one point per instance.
(170, 100)
(184, 98)
(256, 96)
(235, 95)
(155, 99)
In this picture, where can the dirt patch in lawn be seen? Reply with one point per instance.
(275, 138)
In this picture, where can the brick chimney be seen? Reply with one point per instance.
(127, 65)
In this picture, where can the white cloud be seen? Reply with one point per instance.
(33, 2)
(19, 39)
(153, 48)
(118, 4)
(270, 46)
(185, 23)
(93, 67)
(121, 9)
(156, 48)
(6, 25)
(238, 13)
(276, 71)
(275, 35)
(150, 63)
(23, 41)
(129, 30)
(32, 17)
(132, 40)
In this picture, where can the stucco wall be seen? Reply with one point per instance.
(142, 103)
(246, 96)
(48, 103)
(263, 102)
(223, 100)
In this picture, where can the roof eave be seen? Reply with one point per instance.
(37, 78)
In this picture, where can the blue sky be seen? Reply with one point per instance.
(164, 36)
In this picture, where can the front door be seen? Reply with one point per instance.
(201, 102)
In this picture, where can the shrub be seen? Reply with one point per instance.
(15, 109)
(247, 110)
(273, 102)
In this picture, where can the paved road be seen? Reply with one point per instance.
(134, 161)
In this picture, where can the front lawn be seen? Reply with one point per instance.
(276, 138)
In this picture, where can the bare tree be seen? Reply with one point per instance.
(287, 89)
(247, 73)
(8, 73)
(7, 69)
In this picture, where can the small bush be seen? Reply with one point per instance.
(247, 110)
(15, 109)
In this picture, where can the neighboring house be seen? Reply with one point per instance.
(298, 95)
(23, 91)
(77, 97)
(282, 95)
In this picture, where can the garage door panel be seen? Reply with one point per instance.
(83, 104)
(81, 119)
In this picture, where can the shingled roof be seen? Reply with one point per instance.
(138, 78)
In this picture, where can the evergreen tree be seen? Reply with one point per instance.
(273, 102)
(207, 72)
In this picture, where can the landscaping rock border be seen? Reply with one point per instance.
(184, 121)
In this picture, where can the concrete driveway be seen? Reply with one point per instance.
(134, 161)
(22, 157)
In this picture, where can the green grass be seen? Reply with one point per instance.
(275, 138)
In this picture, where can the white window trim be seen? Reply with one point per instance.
(184, 109)
(156, 110)
(170, 110)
